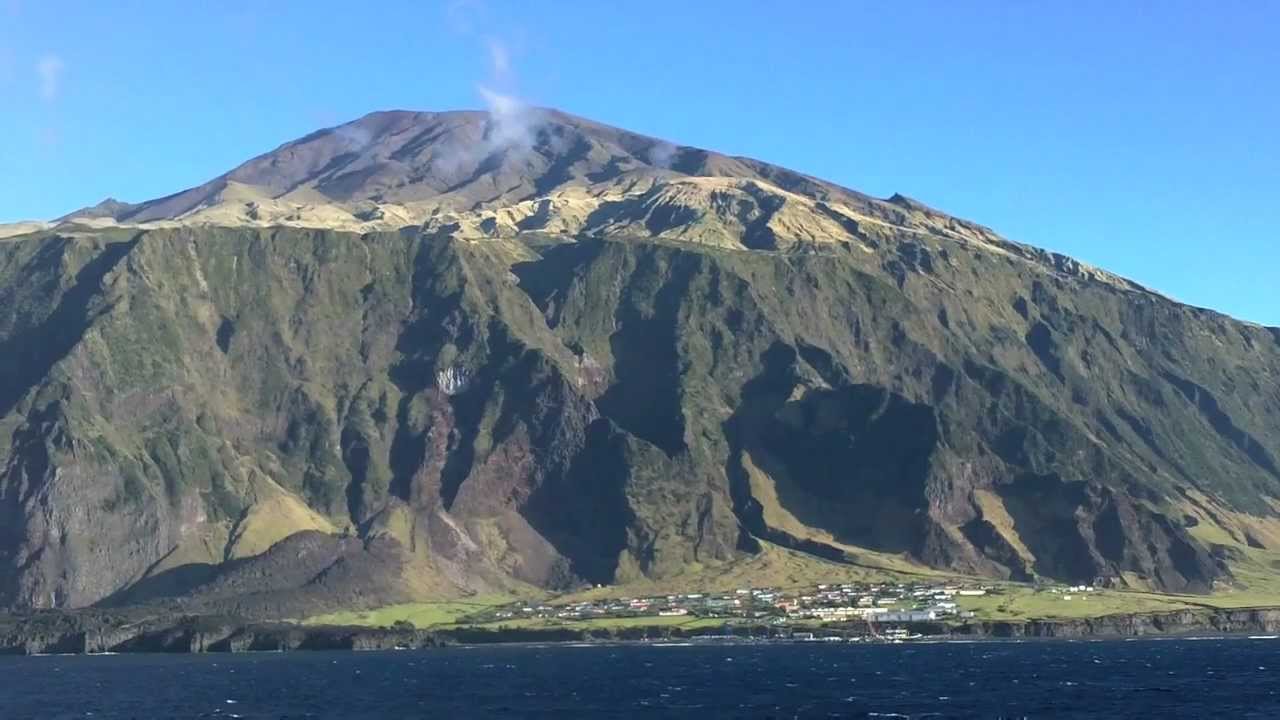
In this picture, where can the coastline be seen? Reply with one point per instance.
(96, 632)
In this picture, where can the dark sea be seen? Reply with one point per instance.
(1111, 679)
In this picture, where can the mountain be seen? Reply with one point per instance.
(432, 354)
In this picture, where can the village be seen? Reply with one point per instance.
(881, 610)
(824, 603)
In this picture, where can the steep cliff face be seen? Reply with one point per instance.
(981, 415)
(624, 376)
(196, 397)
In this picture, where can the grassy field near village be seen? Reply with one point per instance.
(1016, 602)
(453, 614)
(1021, 602)
(1256, 583)
(422, 615)
(607, 623)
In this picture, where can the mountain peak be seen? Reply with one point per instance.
(403, 167)
(475, 174)
(455, 160)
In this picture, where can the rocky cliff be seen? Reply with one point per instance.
(584, 356)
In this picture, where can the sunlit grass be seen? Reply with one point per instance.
(422, 615)
(606, 623)
(1013, 602)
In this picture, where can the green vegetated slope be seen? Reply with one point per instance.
(264, 420)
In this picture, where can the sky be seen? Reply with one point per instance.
(1140, 136)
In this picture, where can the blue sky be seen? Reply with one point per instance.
(1139, 136)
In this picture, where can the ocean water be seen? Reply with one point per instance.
(1235, 678)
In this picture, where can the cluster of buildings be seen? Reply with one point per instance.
(888, 603)
(1073, 592)
(879, 603)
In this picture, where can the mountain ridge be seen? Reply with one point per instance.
(440, 169)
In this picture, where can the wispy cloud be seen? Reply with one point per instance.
(499, 58)
(476, 21)
(49, 71)
(357, 136)
(513, 125)
(662, 154)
